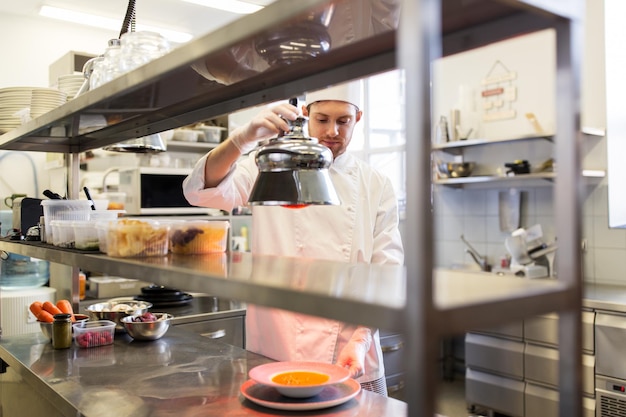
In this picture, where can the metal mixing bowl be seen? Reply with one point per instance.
(46, 327)
(147, 330)
(106, 311)
(456, 169)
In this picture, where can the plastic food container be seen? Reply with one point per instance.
(102, 229)
(136, 238)
(62, 233)
(63, 210)
(105, 214)
(94, 333)
(85, 235)
(211, 134)
(199, 236)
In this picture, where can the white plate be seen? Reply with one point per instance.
(264, 374)
(331, 396)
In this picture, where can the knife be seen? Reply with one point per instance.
(51, 195)
(86, 190)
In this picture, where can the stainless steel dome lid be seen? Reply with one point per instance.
(293, 171)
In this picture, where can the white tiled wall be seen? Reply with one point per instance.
(474, 213)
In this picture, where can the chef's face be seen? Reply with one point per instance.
(332, 123)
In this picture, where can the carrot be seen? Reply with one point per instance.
(51, 308)
(36, 307)
(45, 316)
(66, 307)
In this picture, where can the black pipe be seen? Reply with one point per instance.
(129, 19)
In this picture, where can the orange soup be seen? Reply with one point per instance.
(300, 378)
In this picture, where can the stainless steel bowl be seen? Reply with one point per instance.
(147, 330)
(456, 169)
(109, 311)
(46, 327)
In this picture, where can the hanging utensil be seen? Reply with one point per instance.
(52, 195)
(86, 190)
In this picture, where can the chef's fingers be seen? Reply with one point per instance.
(352, 356)
(286, 111)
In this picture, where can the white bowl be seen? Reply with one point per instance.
(328, 374)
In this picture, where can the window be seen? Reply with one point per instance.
(381, 142)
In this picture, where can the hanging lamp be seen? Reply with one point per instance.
(293, 170)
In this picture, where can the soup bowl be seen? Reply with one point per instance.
(299, 379)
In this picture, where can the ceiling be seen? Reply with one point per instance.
(169, 14)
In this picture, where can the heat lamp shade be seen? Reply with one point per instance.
(294, 187)
(145, 144)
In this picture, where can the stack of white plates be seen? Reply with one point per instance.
(12, 101)
(70, 84)
(45, 99)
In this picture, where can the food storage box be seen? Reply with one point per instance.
(94, 333)
(105, 214)
(199, 236)
(85, 235)
(62, 233)
(211, 134)
(108, 287)
(102, 228)
(136, 238)
(63, 210)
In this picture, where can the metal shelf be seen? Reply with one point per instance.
(427, 306)
(543, 178)
(481, 179)
(200, 147)
(374, 295)
(456, 147)
(167, 93)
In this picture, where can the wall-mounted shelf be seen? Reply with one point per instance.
(456, 147)
(537, 179)
(179, 146)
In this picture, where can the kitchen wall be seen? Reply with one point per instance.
(474, 211)
(28, 48)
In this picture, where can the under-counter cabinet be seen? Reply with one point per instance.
(610, 340)
(392, 346)
(513, 369)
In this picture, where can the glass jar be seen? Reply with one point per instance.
(96, 73)
(139, 48)
(111, 64)
(62, 331)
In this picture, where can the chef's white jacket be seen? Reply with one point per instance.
(364, 228)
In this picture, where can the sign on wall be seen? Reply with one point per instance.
(503, 90)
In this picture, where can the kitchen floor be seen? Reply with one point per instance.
(451, 399)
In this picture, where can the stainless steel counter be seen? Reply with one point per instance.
(605, 297)
(180, 374)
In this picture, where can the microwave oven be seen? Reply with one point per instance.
(156, 191)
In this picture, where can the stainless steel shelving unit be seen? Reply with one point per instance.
(424, 304)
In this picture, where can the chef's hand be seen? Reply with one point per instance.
(266, 124)
(352, 356)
